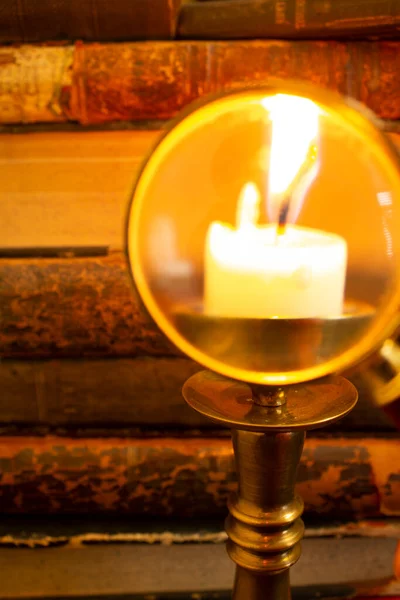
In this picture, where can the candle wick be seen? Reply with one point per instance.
(285, 203)
(283, 216)
(280, 230)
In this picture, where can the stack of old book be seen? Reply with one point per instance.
(97, 446)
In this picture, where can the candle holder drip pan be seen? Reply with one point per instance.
(273, 344)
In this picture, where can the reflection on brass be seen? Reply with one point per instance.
(264, 525)
(269, 395)
(381, 374)
(273, 345)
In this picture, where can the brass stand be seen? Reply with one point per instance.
(268, 430)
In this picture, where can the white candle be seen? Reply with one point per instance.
(253, 272)
(272, 271)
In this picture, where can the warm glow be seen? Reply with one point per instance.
(293, 157)
(277, 270)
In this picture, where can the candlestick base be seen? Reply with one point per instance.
(236, 404)
(268, 430)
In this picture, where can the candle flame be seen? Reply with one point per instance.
(248, 206)
(247, 215)
(294, 157)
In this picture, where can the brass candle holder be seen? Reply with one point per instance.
(270, 377)
(268, 430)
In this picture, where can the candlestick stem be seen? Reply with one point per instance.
(264, 526)
(255, 586)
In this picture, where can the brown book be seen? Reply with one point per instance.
(339, 477)
(291, 19)
(74, 307)
(123, 395)
(32, 21)
(99, 83)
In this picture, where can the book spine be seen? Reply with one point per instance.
(95, 172)
(338, 477)
(290, 19)
(131, 392)
(31, 21)
(125, 393)
(74, 306)
(99, 83)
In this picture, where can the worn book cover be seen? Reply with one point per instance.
(148, 81)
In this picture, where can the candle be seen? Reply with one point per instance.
(255, 272)
(279, 270)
